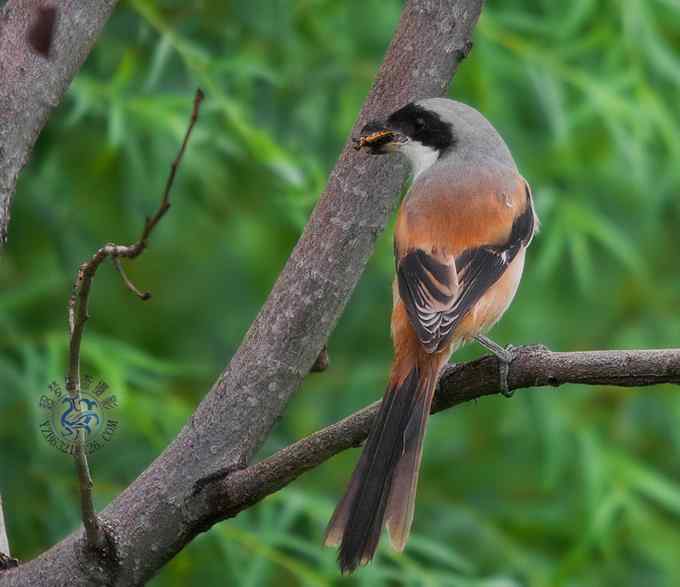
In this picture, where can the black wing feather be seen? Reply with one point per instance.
(426, 288)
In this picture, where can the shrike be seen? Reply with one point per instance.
(459, 244)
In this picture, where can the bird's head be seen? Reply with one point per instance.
(422, 131)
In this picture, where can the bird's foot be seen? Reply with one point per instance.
(505, 356)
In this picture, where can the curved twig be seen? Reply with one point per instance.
(78, 316)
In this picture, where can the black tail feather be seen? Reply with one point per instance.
(397, 432)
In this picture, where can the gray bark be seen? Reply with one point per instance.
(32, 84)
(153, 518)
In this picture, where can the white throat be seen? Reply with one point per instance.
(420, 156)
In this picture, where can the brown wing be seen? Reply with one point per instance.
(438, 290)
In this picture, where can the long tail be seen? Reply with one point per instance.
(382, 489)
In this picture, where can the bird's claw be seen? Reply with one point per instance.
(504, 361)
(505, 356)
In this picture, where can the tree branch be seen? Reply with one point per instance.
(150, 521)
(31, 48)
(533, 367)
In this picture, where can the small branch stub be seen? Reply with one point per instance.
(144, 296)
(322, 361)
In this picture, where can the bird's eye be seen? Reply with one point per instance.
(420, 123)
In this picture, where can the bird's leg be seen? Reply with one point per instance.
(505, 357)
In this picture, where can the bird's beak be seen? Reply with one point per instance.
(379, 139)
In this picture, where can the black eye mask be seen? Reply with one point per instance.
(422, 125)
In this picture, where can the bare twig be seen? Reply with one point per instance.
(534, 366)
(78, 316)
(144, 296)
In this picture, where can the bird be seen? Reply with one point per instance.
(460, 238)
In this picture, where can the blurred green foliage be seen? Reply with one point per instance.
(579, 487)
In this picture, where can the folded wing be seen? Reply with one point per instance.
(438, 290)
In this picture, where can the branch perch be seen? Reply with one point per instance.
(78, 316)
(534, 367)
